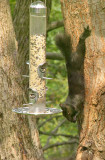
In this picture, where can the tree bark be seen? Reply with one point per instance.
(77, 15)
(19, 138)
(21, 27)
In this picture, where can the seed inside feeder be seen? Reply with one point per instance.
(37, 57)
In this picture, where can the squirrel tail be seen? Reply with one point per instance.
(63, 42)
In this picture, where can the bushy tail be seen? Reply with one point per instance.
(63, 42)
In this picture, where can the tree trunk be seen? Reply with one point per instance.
(77, 15)
(19, 139)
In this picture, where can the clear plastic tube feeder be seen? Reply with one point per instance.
(37, 64)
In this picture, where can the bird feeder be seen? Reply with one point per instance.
(37, 64)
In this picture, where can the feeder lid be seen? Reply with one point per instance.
(38, 4)
(38, 8)
(45, 112)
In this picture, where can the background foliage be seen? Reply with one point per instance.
(56, 94)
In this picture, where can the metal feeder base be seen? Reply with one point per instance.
(46, 111)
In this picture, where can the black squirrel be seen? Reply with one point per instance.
(74, 64)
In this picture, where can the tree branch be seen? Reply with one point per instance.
(59, 125)
(54, 131)
(47, 120)
(54, 56)
(52, 134)
(59, 144)
(55, 25)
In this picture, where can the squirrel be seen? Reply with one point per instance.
(74, 64)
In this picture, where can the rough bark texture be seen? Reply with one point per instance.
(21, 26)
(19, 139)
(77, 15)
